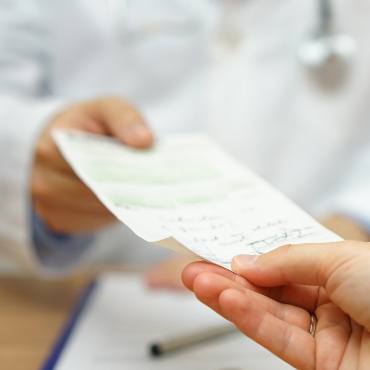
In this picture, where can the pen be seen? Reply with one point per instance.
(190, 339)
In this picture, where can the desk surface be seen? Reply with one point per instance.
(32, 312)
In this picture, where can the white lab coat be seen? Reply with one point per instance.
(228, 68)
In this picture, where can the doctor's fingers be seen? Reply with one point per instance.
(72, 222)
(123, 121)
(208, 287)
(302, 296)
(54, 189)
(76, 116)
(110, 116)
(47, 154)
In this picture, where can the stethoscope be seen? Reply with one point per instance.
(326, 55)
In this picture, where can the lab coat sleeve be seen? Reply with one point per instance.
(26, 106)
(21, 120)
(351, 195)
(56, 249)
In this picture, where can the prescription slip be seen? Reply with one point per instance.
(187, 194)
(115, 323)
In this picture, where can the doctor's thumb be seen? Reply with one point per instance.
(124, 122)
(306, 264)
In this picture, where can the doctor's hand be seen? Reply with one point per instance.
(275, 298)
(59, 197)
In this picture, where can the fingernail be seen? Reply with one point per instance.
(242, 262)
(139, 133)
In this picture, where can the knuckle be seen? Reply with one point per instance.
(111, 103)
(283, 254)
(132, 117)
(44, 151)
(287, 250)
(286, 342)
(40, 190)
(121, 106)
(336, 270)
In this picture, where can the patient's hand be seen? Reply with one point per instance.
(276, 298)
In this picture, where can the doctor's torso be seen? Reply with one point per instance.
(229, 68)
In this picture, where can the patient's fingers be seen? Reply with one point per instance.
(291, 343)
(298, 295)
(209, 286)
(283, 329)
(306, 297)
(194, 269)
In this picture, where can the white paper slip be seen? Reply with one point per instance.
(122, 318)
(187, 194)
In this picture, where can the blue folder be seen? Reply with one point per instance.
(68, 329)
